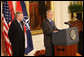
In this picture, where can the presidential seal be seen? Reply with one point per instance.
(73, 34)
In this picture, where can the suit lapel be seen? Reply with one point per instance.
(48, 22)
(18, 25)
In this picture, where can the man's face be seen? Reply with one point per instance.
(50, 15)
(20, 17)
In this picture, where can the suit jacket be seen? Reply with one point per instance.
(16, 36)
(48, 30)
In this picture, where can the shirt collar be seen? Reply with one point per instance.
(49, 20)
(18, 21)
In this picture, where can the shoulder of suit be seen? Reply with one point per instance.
(14, 21)
(44, 21)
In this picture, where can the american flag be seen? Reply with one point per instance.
(7, 19)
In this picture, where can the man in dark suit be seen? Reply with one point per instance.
(49, 27)
(16, 35)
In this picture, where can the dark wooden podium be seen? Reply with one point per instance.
(65, 42)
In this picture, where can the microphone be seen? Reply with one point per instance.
(68, 23)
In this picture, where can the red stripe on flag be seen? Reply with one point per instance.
(24, 28)
(2, 19)
(4, 23)
(9, 23)
(9, 54)
(11, 9)
(5, 26)
(5, 34)
(7, 44)
(18, 6)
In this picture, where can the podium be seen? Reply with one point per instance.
(65, 42)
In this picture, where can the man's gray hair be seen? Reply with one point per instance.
(48, 11)
(18, 13)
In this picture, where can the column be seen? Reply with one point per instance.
(61, 14)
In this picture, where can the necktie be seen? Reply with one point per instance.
(52, 23)
(21, 25)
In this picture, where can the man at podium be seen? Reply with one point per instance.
(49, 27)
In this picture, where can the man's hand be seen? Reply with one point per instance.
(55, 31)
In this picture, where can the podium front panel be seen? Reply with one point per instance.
(65, 37)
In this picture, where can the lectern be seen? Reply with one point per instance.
(65, 42)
